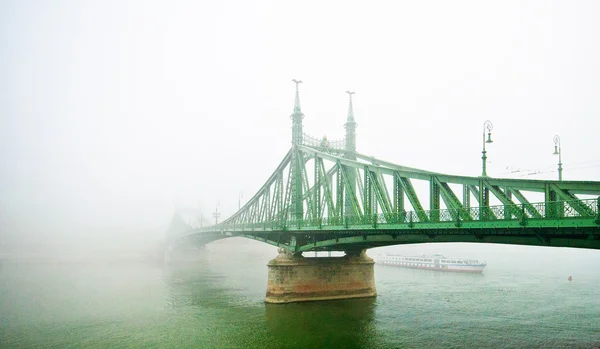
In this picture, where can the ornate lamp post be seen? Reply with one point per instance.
(489, 126)
(557, 152)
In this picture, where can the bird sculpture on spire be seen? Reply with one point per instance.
(297, 99)
(350, 109)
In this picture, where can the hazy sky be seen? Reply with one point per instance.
(114, 112)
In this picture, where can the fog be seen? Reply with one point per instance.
(113, 114)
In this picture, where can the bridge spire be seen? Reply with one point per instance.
(350, 110)
(297, 209)
(297, 100)
(297, 117)
(350, 126)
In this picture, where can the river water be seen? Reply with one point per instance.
(523, 299)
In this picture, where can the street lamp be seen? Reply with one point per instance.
(487, 125)
(557, 152)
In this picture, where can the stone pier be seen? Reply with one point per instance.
(297, 279)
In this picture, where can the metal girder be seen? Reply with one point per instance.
(533, 212)
(434, 199)
(510, 207)
(265, 206)
(317, 189)
(350, 192)
(484, 202)
(290, 213)
(576, 187)
(413, 199)
(381, 194)
(320, 193)
(466, 197)
(367, 193)
(385, 194)
(351, 205)
(584, 187)
(331, 212)
(475, 190)
(277, 205)
(452, 202)
(361, 189)
(507, 213)
(574, 202)
(287, 198)
(270, 181)
(399, 211)
(552, 207)
(339, 190)
(310, 212)
(297, 170)
(387, 239)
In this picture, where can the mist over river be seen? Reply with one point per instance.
(216, 300)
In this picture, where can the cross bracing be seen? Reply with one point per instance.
(326, 196)
(384, 207)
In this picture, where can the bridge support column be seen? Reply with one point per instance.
(298, 279)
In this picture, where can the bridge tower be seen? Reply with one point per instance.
(297, 117)
(294, 278)
(350, 127)
(297, 206)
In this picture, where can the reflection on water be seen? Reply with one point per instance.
(216, 300)
(201, 290)
(335, 324)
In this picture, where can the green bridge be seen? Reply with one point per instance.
(325, 196)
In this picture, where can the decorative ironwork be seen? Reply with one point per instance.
(324, 191)
(445, 215)
(324, 143)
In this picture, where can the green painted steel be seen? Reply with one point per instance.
(350, 148)
(326, 196)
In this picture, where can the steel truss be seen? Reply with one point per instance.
(318, 199)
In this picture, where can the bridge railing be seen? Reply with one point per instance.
(557, 210)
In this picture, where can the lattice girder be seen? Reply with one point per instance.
(327, 196)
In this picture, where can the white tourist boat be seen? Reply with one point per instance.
(432, 262)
